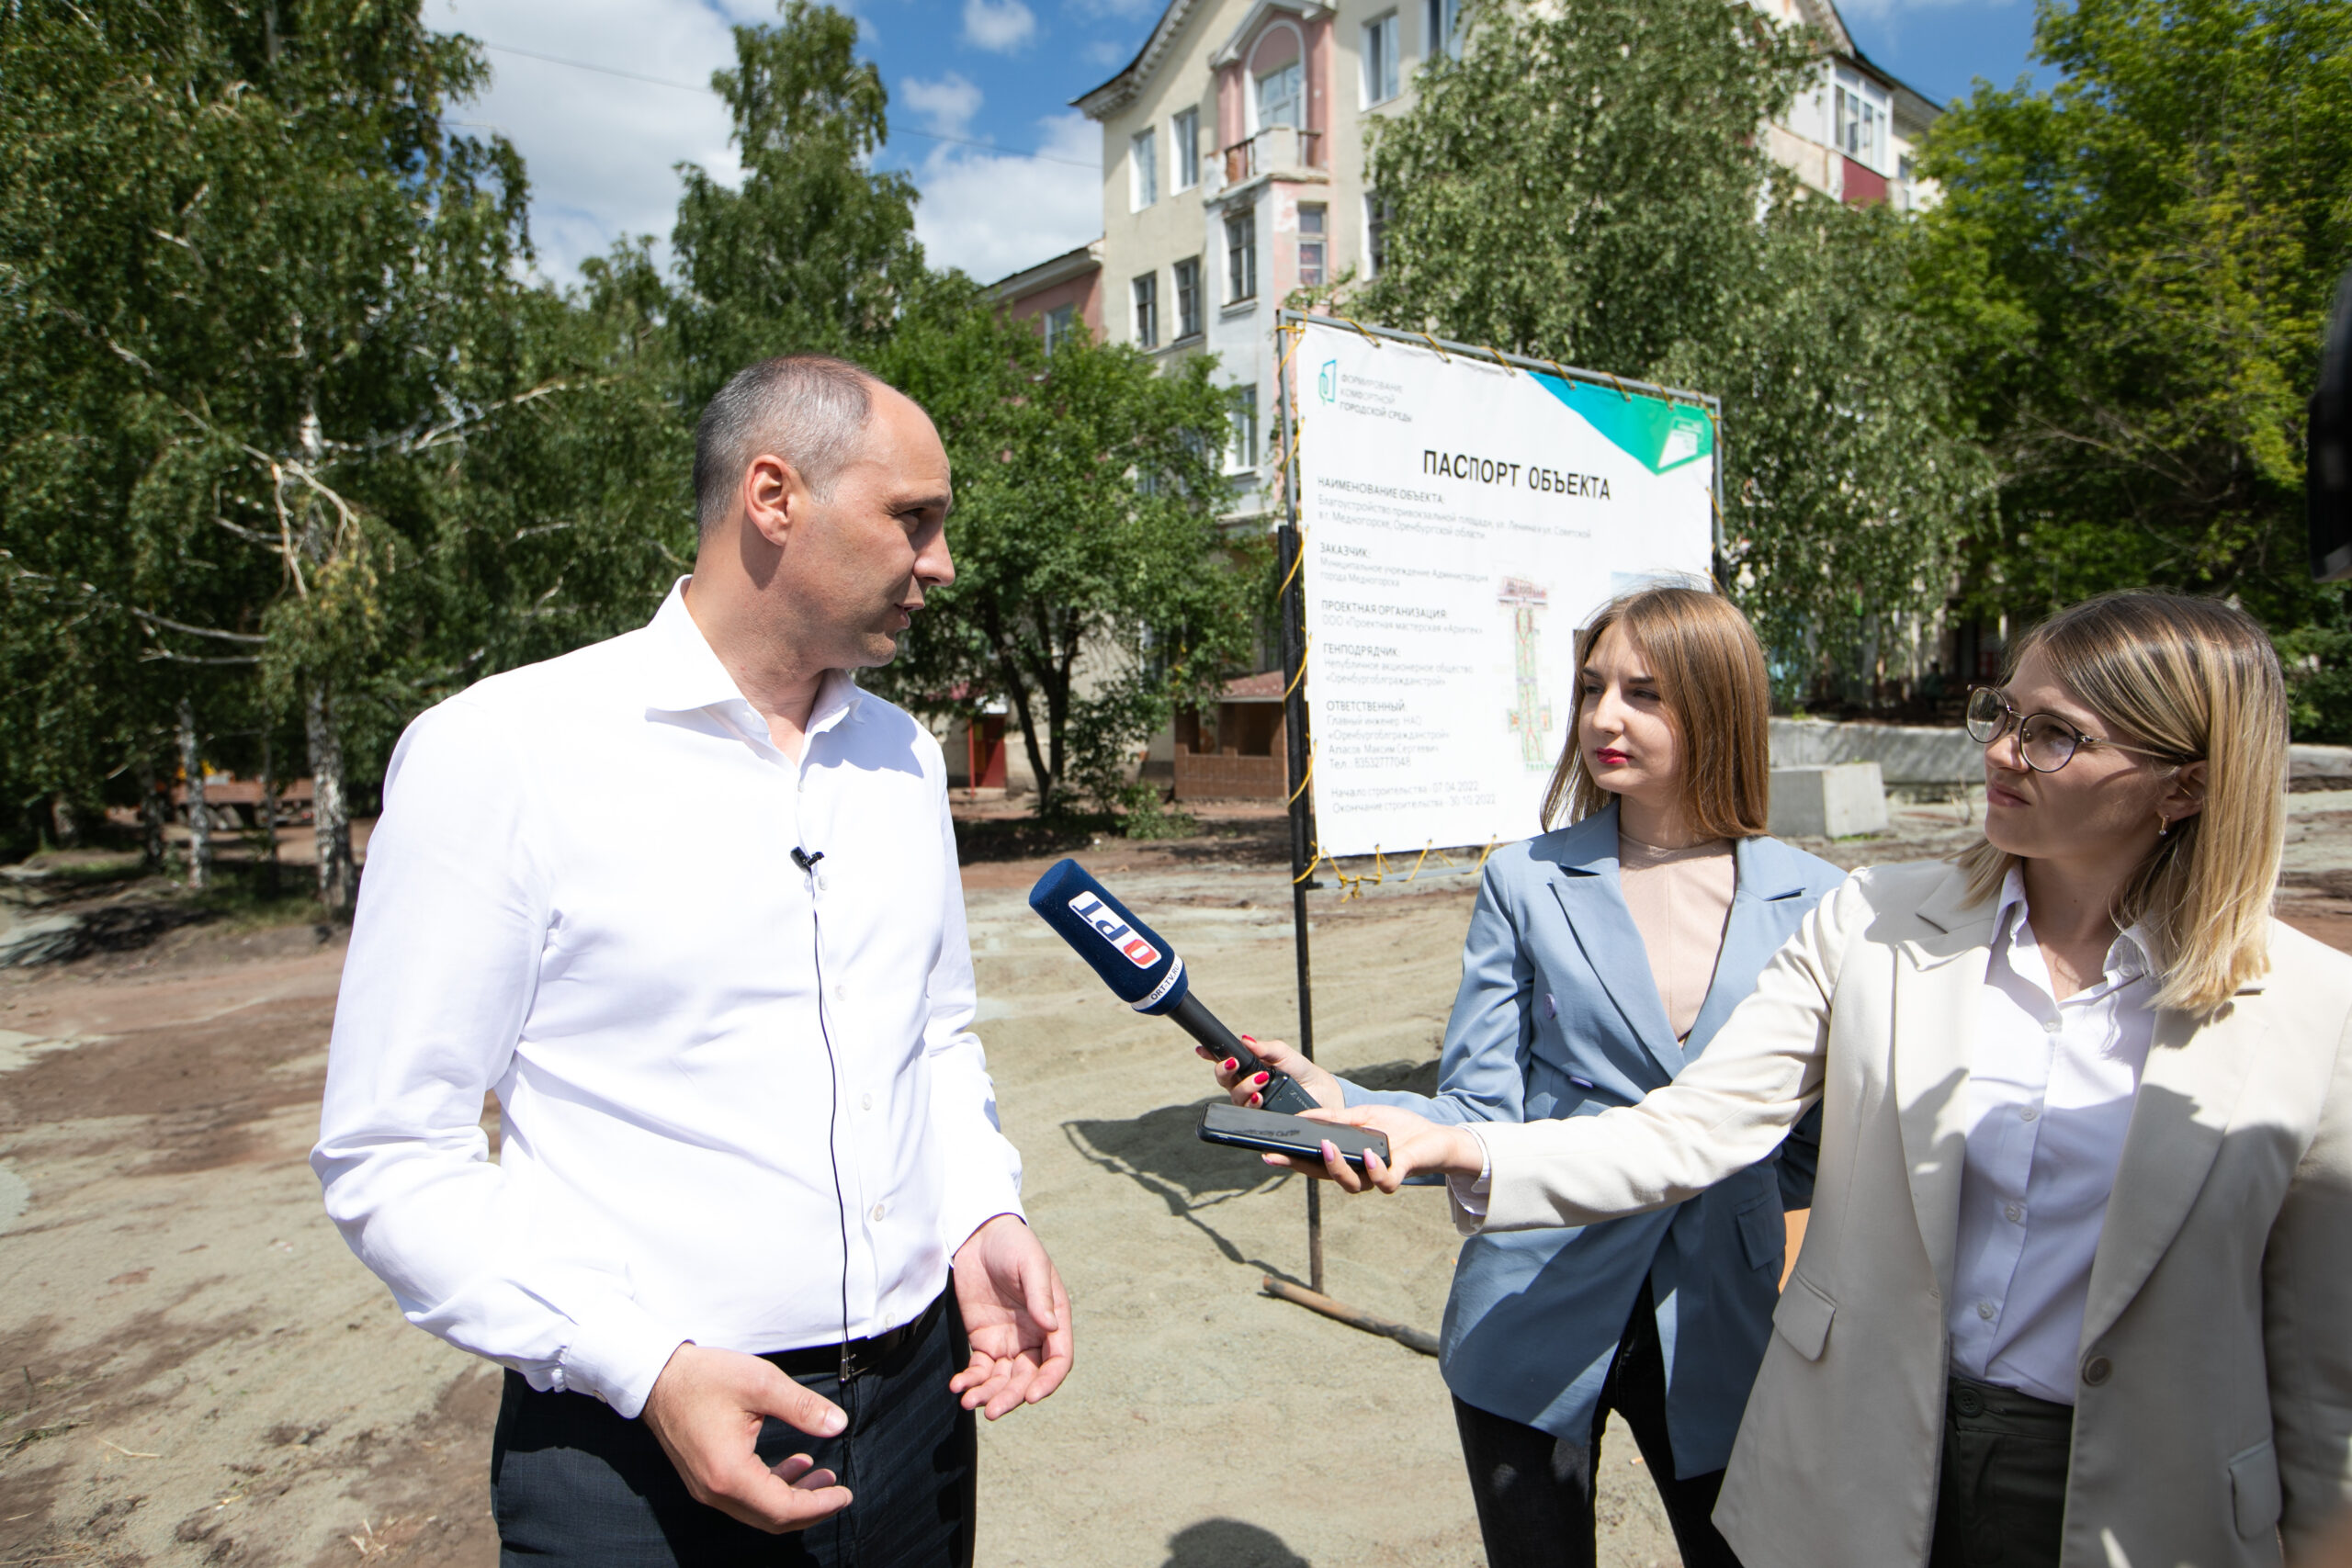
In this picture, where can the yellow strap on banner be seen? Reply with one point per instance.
(1508, 368)
(1441, 353)
(1302, 657)
(1304, 779)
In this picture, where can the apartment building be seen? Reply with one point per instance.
(1233, 173)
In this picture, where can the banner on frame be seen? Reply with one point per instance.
(1461, 519)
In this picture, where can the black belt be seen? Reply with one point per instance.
(859, 1356)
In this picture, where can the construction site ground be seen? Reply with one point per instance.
(194, 1369)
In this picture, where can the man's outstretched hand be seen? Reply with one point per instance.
(706, 1407)
(1016, 1314)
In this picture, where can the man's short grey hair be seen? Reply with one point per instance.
(808, 408)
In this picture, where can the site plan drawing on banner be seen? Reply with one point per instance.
(1461, 518)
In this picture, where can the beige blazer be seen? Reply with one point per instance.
(2214, 1401)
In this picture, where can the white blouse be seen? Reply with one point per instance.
(2051, 1090)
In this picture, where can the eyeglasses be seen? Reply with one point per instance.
(2045, 741)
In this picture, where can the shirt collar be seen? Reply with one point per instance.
(688, 674)
(2126, 956)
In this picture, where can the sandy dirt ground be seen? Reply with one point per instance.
(193, 1368)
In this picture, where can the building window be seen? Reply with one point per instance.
(1146, 295)
(1282, 97)
(1859, 128)
(1241, 257)
(1184, 141)
(1312, 239)
(1188, 298)
(1143, 169)
(1375, 234)
(1244, 452)
(1380, 60)
(1060, 322)
(1439, 21)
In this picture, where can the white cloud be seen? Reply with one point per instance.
(600, 148)
(994, 213)
(997, 26)
(1107, 53)
(946, 106)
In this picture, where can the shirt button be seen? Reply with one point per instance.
(2013, 1214)
(1985, 1311)
(2098, 1370)
(866, 1104)
(2053, 1027)
(2027, 1112)
(879, 1209)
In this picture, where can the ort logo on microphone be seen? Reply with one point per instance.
(1114, 931)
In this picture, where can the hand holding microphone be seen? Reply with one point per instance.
(1143, 971)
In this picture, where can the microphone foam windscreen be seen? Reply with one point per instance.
(1141, 970)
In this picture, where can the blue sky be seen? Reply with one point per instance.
(604, 98)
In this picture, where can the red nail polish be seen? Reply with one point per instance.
(1264, 1078)
(1257, 1100)
(1249, 1040)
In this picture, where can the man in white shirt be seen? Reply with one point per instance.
(687, 901)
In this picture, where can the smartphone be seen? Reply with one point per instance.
(1242, 1128)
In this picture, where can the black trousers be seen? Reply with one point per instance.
(1534, 1491)
(574, 1484)
(2001, 1498)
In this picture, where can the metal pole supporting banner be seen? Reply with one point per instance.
(1302, 830)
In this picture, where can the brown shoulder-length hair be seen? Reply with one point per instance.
(1710, 676)
(2188, 679)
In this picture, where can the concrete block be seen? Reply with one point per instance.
(1905, 754)
(1832, 801)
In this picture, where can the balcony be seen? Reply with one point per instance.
(1278, 150)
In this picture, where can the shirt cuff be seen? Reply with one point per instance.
(1469, 1193)
(619, 1358)
(968, 1205)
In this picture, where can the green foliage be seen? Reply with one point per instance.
(2136, 265)
(1093, 589)
(252, 296)
(816, 253)
(1583, 185)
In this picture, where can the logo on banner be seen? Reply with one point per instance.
(1114, 931)
(1327, 385)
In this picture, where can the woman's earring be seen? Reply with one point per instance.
(2163, 824)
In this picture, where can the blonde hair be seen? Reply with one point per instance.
(2190, 679)
(1707, 661)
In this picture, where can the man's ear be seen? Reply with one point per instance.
(774, 498)
(2186, 798)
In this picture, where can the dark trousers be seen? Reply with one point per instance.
(1534, 1491)
(573, 1484)
(2001, 1499)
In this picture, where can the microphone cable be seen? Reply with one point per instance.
(808, 865)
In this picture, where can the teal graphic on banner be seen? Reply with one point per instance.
(1659, 434)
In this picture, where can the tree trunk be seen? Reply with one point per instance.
(151, 819)
(199, 821)
(65, 822)
(266, 813)
(328, 812)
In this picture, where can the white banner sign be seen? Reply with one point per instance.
(1461, 519)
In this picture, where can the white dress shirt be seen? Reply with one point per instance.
(2051, 1090)
(582, 894)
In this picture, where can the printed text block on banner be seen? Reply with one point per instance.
(1462, 518)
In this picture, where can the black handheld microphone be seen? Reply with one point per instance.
(1144, 972)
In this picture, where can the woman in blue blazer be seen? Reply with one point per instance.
(1564, 1010)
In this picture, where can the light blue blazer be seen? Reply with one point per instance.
(1558, 1016)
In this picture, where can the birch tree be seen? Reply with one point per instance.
(256, 304)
